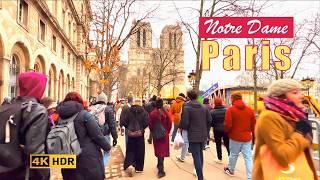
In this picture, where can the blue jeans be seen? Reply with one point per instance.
(237, 147)
(185, 146)
(197, 154)
(106, 155)
(174, 132)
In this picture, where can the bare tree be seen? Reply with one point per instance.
(111, 19)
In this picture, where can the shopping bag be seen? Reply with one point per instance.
(299, 169)
(178, 141)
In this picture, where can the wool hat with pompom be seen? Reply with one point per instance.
(282, 86)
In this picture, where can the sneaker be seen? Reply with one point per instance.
(227, 171)
(130, 171)
(149, 141)
(138, 171)
(195, 172)
(180, 159)
(206, 147)
(219, 161)
(171, 143)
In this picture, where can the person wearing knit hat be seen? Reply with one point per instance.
(102, 97)
(239, 123)
(31, 125)
(218, 115)
(284, 130)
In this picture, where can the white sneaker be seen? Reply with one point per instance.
(195, 172)
(206, 147)
(218, 161)
(130, 171)
(179, 158)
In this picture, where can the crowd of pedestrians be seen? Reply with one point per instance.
(282, 135)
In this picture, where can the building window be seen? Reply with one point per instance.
(174, 40)
(23, 13)
(54, 43)
(144, 38)
(68, 58)
(14, 71)
(69, 29)
(138, 38)
(63, 18)
(62, 52)
(42, 31)
(36, 68)
(170, 40)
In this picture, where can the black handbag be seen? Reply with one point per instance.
(159, 131)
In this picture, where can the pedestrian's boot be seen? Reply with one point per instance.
(161, 174)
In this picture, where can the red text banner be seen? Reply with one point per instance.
(246, 27)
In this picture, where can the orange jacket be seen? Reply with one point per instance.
(176, 109)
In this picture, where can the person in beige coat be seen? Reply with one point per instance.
(283, 127)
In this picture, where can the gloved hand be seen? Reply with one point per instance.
(303, 127)
(114, 143)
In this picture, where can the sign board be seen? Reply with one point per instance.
(210, 90)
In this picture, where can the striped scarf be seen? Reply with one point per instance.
(284, 107)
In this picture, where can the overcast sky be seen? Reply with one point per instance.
(167, 14)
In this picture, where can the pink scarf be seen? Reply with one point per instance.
(284, 107)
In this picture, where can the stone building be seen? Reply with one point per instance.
(141, 55)
(48, 36)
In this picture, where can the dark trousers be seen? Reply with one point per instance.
(135, 153)
(218, 136)
(197, 154)
(160, 164)
(174, 132)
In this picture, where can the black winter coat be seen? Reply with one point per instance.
(132, 114)
(90, 161)
(217, 115)
(195, 119)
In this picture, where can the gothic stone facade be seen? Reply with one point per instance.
(141, 54)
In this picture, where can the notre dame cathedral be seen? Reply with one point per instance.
(155, 71)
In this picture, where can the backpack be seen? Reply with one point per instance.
(159, 131)
(11, 152)
(98, 111)
(134, 129)
(62, 139)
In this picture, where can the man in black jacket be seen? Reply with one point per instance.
(149, 108)
(195, 119)
(217, 115)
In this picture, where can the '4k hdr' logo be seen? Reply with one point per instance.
(52, 161)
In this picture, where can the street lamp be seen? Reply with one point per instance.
(192, 79)
(308, 83)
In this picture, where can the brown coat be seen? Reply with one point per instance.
(277, 132)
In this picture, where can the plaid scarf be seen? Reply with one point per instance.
(284, 107)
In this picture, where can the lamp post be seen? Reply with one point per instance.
(308, 83)
(192, 79)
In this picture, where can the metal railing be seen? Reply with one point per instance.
(315, 123)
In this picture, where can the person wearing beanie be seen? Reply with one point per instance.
(135, 122)
(110, 125)
(239, 124)
(161, 146)
(32, 125)
(218, 115)
(284, 130)
(195, 119)
(175, 110)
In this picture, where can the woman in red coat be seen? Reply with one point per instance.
(161, 146)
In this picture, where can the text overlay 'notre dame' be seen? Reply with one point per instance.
(52, 161)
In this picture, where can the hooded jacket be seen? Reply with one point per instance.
(195, 119)
(91, 142)
(135, 114)
(32, 84)
(239, 122)
(217, 115)
(176, 109)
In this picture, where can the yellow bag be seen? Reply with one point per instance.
(298, 170)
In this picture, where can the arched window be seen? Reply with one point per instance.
(14, 71)
(36, 67)
(138, 38)
(144, 36)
